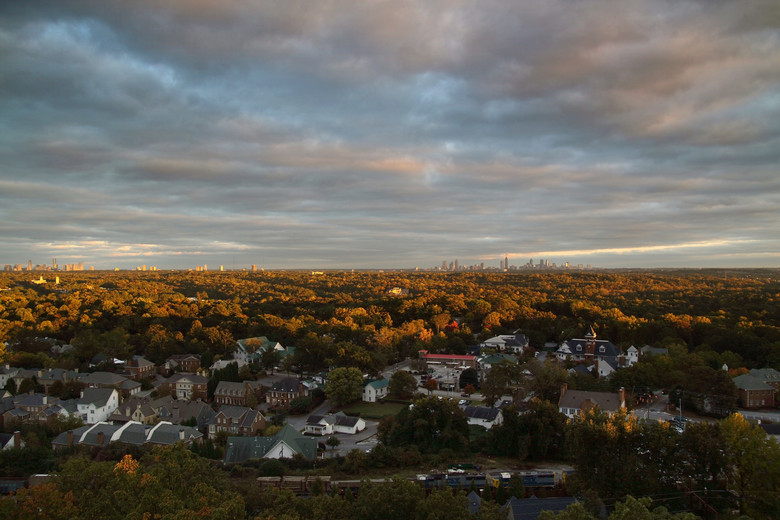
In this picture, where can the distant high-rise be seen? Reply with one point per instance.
(81, 266)
(29, 265)
(221, 267)
(456, 264)
(506, 262)
(54, 263)
(205, 267)
(254, 268)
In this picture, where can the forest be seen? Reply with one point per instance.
(352, 319)
(357, 320)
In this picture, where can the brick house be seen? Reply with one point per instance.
(237, 394)
(284, 391)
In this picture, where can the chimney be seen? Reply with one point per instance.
(181, 434)
(101, 438)
(622, 396)
(564, 387)
(69, 441)
(17, 439)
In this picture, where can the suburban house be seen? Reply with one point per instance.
(237, 420)
(135, 409)
(139, 368)
(97, 404)
(590, 350)
(447, 360)
(187, 386)
(284, 391)
(769, 376)
(373, 391)
(483, 416)
(285, 444)
(238, 394)
(486, 361)
(182, 363)
(251, 350)
(572, 402)
(333, 423)
(754, 392)
(178, 411)
(512, 343)
(101, 434)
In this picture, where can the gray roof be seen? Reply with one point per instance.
(288, 384)
(167, 434)
(97, 396)
(578, 347)
(474, 502)
(102, 378)
(750, 382)
(230, 388)
(606, 401)
(766, 374)
(481, 412)
(188, 378)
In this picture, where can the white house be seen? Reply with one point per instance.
(333, 423)
(97, 404)
(514, 343)
(484, 416)
(375, 390)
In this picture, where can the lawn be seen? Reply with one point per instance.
(374, 410)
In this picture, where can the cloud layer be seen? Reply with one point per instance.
(390, 134)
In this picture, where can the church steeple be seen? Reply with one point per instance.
(590, 342)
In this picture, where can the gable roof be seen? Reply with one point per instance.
(481, 412)
(240, 449)
(766, 374)
(750, 382)
(288, 384)
(230, 388)
(583, 399)
(96, 396)
(184, 377)
(380, 383)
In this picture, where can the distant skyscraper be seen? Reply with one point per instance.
(81, 266)
(205, 267)
(456, 264)
(29, 265)
(54, 263)
(443, 265)
(254, 268)
(506, 262)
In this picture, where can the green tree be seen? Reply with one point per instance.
(344, 385)
(753, 468)
(402, 385)
(430, 424)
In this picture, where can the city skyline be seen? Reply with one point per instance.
(305, 135)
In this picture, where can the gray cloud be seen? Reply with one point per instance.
(390, 134)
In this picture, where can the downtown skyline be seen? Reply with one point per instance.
(319, 135)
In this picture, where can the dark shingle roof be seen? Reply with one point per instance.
(481, 412)
(531, 508)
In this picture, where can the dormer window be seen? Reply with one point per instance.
(602, 349)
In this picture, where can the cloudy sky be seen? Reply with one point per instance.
(329, 134)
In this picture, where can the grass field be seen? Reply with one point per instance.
(374, 410)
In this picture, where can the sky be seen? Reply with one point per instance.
(397, 134)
